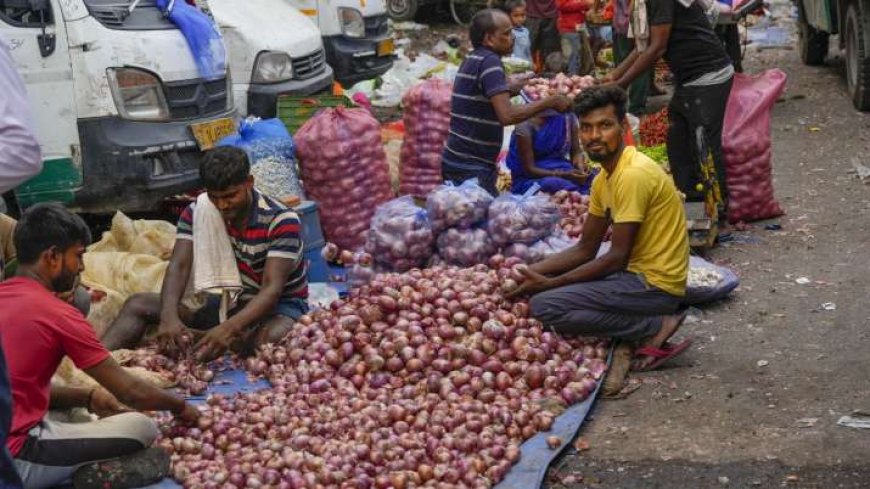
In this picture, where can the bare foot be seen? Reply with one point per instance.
(670, 325)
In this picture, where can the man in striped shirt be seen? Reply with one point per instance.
(266, 237)
(481, 105)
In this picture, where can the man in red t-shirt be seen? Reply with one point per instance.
(575, 38)
(37, 329)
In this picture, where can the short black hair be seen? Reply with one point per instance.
(482, 23)
(223, 167)
(48, 225)
(509, 5)
(599, 97)
(556, 62)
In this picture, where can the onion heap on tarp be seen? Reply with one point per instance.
(429, 378)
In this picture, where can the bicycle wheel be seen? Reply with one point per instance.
(463, 10)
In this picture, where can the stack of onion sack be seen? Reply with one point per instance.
(654, 128)
(746, 146)
(345, 169)
(429, 378)
(465, 247)
(400, 237)
(427, 121)
(456, 214)
(522, 218)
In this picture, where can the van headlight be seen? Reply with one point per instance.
(138, 94)
(272, 67)
(352, 23)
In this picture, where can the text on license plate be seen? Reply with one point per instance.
(208, 134)
(386, 47)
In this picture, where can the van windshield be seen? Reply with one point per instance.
(116, 14)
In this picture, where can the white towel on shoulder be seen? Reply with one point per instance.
(214, 263)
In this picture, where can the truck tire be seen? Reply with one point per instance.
(402, 10)
(857, 57)
(813, 44)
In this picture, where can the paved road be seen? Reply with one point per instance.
(717, 418)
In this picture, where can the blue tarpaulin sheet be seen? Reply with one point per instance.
(536, 456)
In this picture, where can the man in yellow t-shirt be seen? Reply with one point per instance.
(633, 290)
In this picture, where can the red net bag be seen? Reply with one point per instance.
(344, 167)
(427, 121)
(746, 146)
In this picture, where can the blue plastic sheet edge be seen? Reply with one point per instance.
(536, 457)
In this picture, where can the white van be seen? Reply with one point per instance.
(116, 97)
(356, 34)
(273, 50)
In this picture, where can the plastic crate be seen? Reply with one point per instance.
(318, 270)
(295, 111)
(309, 216)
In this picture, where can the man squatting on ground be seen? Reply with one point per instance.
(633, 291)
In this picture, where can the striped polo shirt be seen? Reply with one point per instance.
(475, 133)
(273, 231)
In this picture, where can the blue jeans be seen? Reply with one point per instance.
(578, 52)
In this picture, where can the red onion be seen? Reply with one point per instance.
(428, 377)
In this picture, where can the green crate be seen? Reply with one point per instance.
(295, 111)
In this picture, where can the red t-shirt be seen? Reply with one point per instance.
(37, 330)
(571, 14)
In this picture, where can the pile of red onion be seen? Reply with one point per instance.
(429, 378)
(189, 376)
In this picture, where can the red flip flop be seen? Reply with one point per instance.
(661, 355)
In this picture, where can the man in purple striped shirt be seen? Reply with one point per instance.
(481, 105)
(266, 237)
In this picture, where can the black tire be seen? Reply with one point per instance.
(857, 57)
(463, 10)
(813, 44)
(402, 10)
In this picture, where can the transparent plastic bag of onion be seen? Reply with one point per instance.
(345, 169)
(522, 218)
(541, 249)
(465, 247)
(460, 206)
(427, 121)
(400, 237)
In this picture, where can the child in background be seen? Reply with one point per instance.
(575, 37)
(516, 9)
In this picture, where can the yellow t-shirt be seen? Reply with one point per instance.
(639, 190)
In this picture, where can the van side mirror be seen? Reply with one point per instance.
(47, 42)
